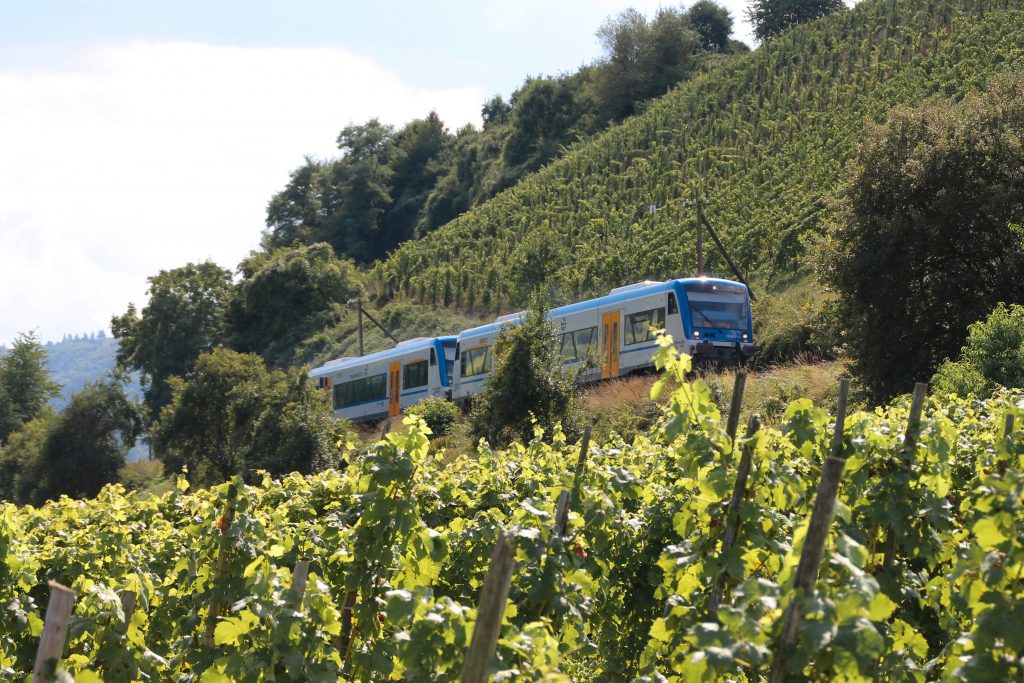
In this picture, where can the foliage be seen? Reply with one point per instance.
(529, 387)
(772, 17)
(925, 238)
(25, 384)
(286, 296)
(75, 361)
(393, 185)
(404, 541)
(20, 459)
(233, 416)
(764, 136)
(993, 356)
(183, 318)
(438, 414)
(87, 444)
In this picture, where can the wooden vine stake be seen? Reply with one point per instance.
(582, 459)
(1007, 434)
(814, 542)
(732, 527)
(490, 612)
(128, 600)
(217, 608)
(734, 406)
(909, 447)
(55, 632)
(300, 576)
(562, 513)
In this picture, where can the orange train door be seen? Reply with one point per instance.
(395, 389)
(610, 344)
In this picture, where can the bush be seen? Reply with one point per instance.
(528, 385)
(994, 355)
(438, 413)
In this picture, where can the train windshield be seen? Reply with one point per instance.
(725, 307)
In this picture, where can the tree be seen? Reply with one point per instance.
(713, 23)
(643, 59)
(87, 444)
(20, 466)
(528, 383)
(232, 416)
(183, 318)
(771, 17)
(925, 236)
(25, 385)
(285, 297)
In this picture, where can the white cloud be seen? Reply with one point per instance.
(135, 158)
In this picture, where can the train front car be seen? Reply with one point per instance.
(716, 320)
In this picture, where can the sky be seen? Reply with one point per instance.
(140, 136)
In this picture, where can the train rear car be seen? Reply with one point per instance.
(383, 384)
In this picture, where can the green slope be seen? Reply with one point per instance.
(771, 130)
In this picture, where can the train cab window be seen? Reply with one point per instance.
(363, 390)
(414, 375)
(640, 326)
(475, 361)
(673, 307)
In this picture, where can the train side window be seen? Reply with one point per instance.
(673, 307)
(433, 358)
(363, 390)
(476, 361)
(414, 375)
(639, 326)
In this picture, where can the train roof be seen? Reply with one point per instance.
(617, 295)
(348, 362)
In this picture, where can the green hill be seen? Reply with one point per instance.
(765, 137)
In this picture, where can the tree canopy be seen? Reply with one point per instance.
(183, 318)
(233, 416)
(771, 17)
(926, 236)
(25, 384)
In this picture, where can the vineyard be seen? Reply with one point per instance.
(688, 555)
(764, 137)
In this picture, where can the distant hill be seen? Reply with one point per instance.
(764, 137)
(77, 360)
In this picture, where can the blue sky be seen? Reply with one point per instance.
(139, 136)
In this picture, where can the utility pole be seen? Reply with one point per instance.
(359, 307)
(358, 303)
(700, 236)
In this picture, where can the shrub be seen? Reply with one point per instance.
(529, 384)
(437, 413)
(994, 355)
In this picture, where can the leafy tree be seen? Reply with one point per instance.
(293, 214)
(286, 296)
(994, 355)
(926, 234)
(713, 23)
(528, 385)
(20, 466)
(643, 59)
(25, 385)
(183, 318)
(87, 444)
(544, 114)
(771, 17)
(439, 415)
(234, 416)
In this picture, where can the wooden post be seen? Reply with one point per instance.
(814, 542)
(909, 447)
(1007, 434)
(734, 406)
(223, 560)
(300, 575)
(582, 459)
(562, 513)
(345, 638)
(490, 612)
(55, 632)
(128, 600)
(732, 527)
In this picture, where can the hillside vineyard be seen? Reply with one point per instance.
(763, 138)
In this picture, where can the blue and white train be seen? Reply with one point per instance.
(609, 336)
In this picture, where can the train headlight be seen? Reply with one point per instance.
(696, 334)
(746, 336)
